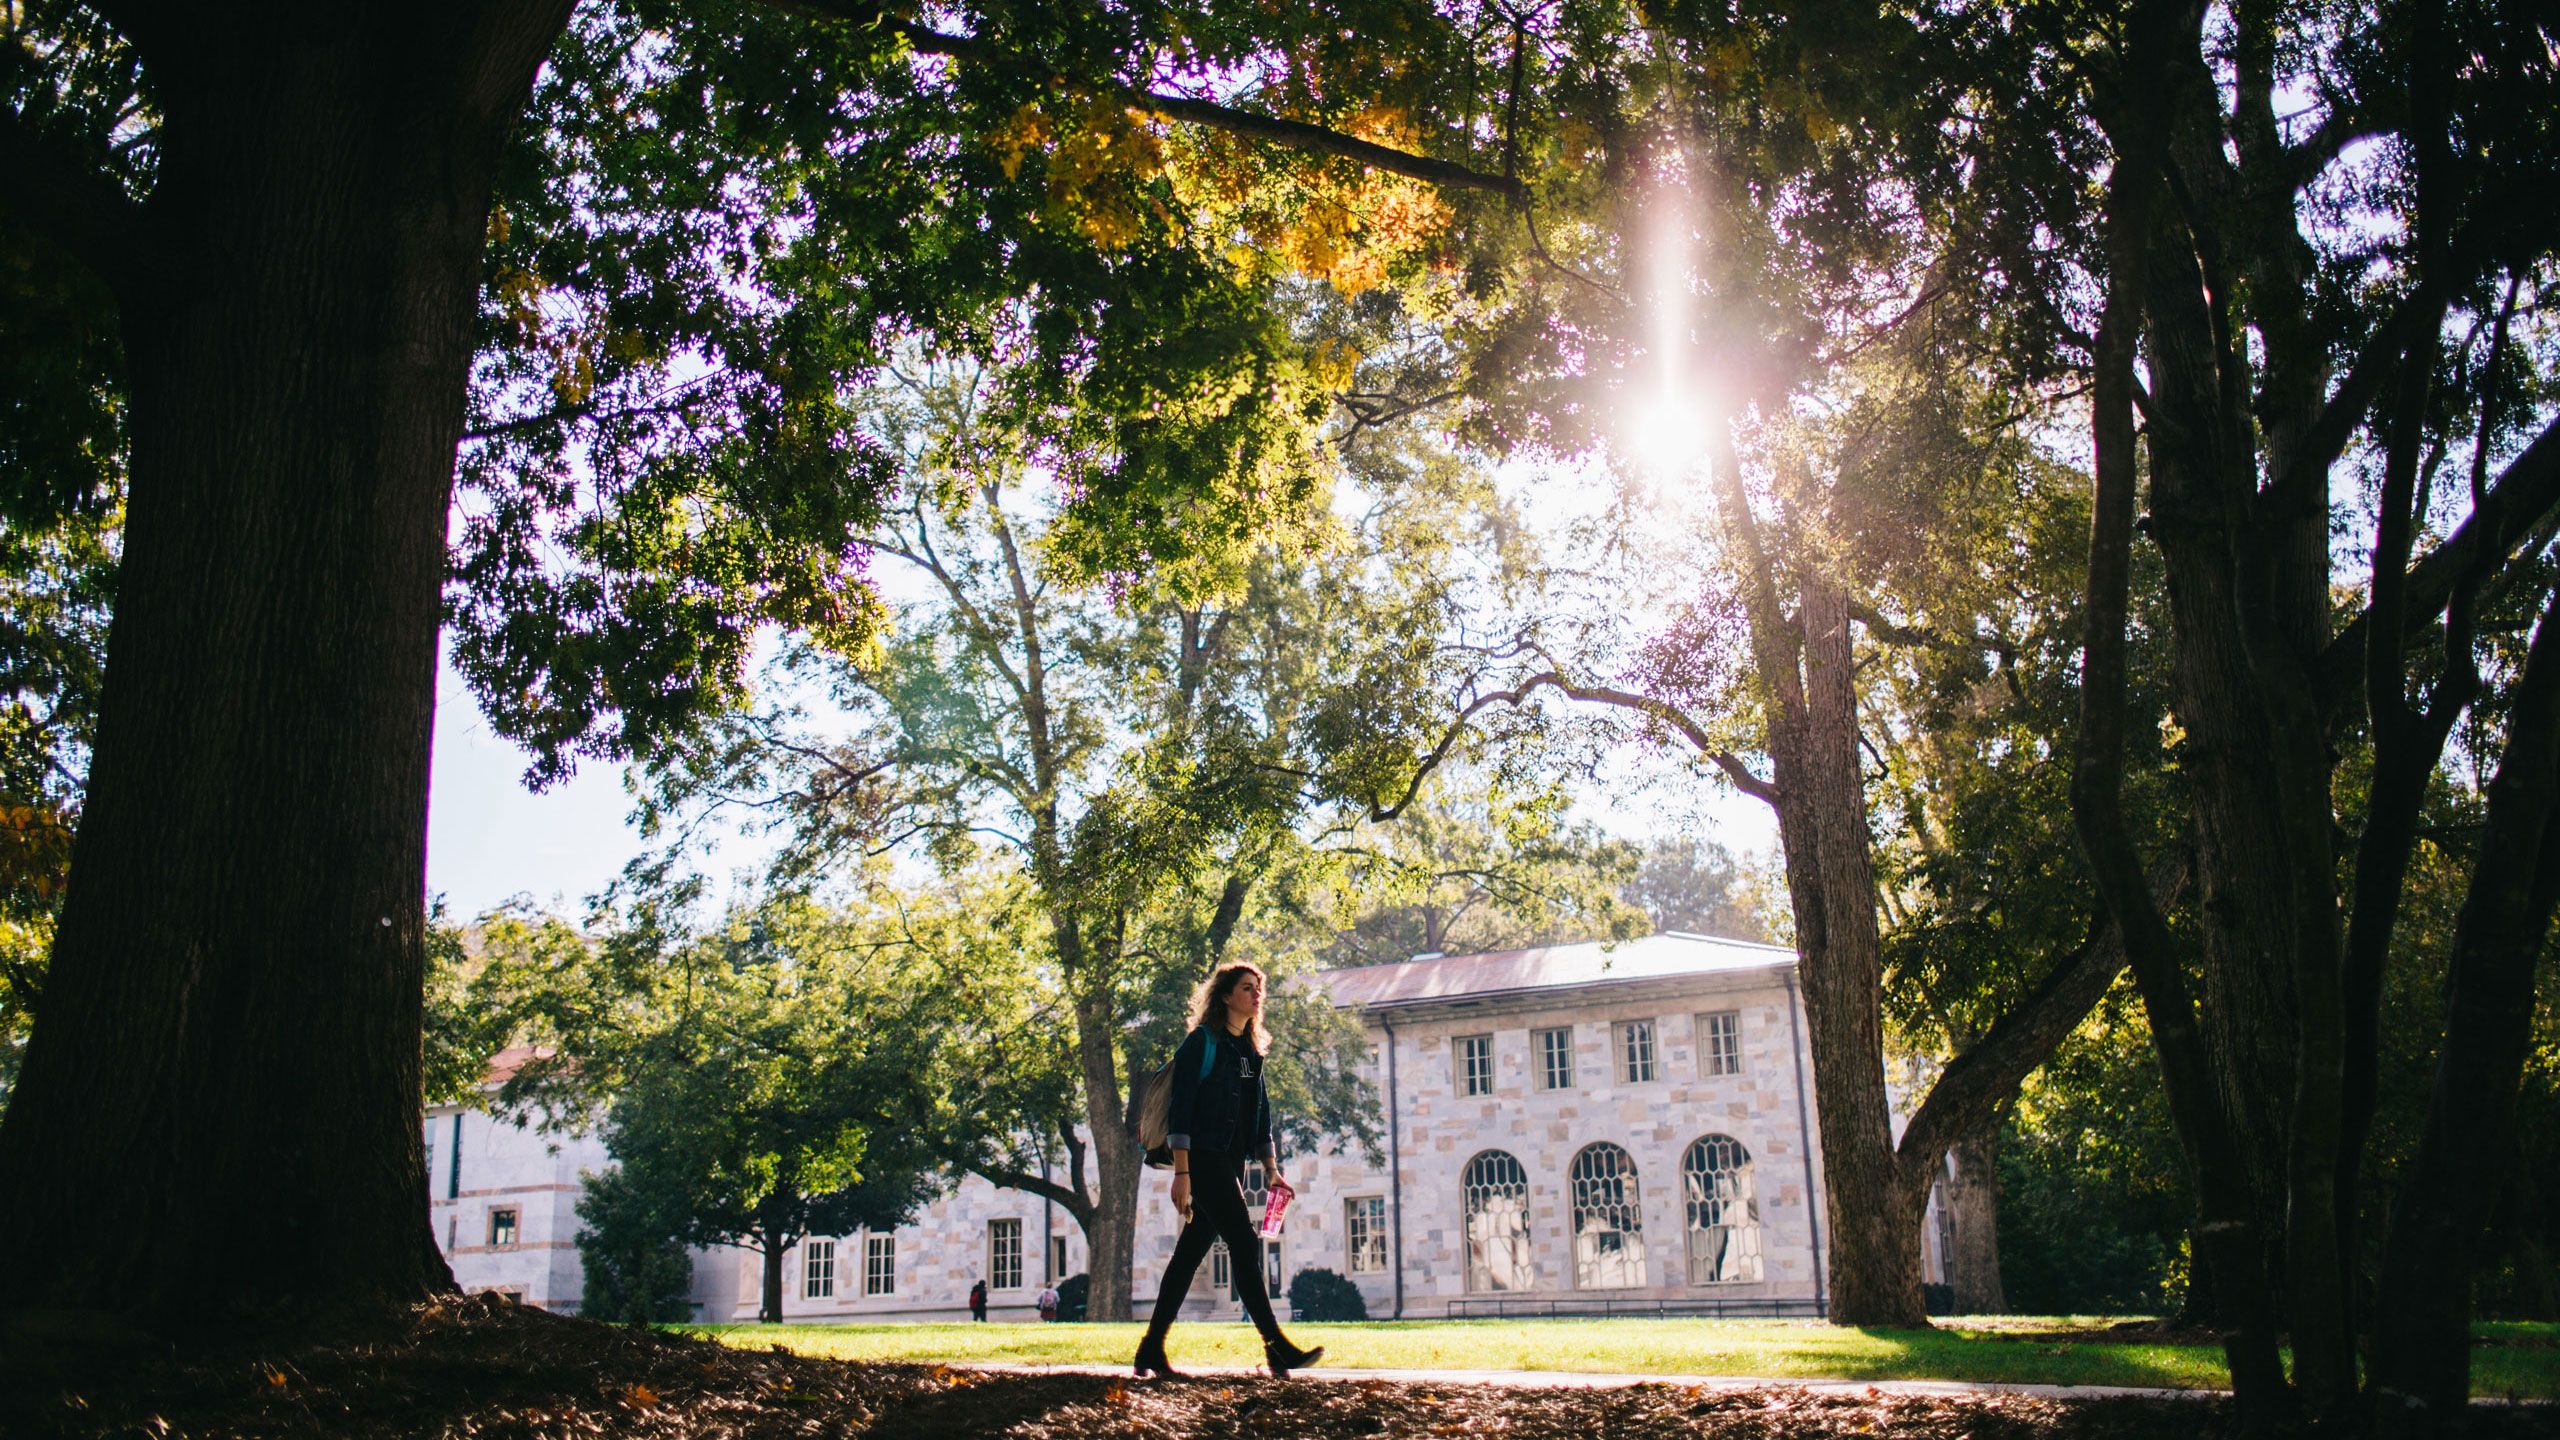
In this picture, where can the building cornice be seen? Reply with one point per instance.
(1530, 999)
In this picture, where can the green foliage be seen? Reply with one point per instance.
(1319, 1294)
(1467, 868)
(1143, 762)
(1694, 886)
(2094, 1202)
(721, 226)
(758, 1081)
(636, 1272)
(66, 77)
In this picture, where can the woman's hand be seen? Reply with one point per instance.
(1182, 1195)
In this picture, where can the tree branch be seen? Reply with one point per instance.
(1023, 1180)
(2526, 493)
(1661, 710)
(1292, 134)
(1987, 1073)
(1928, 636)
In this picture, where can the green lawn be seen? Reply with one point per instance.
(2519, 1360)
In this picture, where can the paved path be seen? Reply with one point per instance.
(1579, 1380)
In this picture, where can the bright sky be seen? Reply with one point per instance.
(489, 839)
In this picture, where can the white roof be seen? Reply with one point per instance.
(1429, 978)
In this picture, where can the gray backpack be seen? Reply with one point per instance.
(1151, 1103)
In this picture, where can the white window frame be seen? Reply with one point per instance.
(1057, 1257)
(817, 1269)
(515, 1227)
(1475, 1066)
(1222, 1269)
(1608, 1219)
(1558, 1067)
(1001, 1258)
(1720, 1201)
(1639, 1059)
(1720, 1046)
(1364, 1234)
(879, 1263)
(1493, 1203)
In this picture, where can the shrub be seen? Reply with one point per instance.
(1072, 1295)
(637, 1271)
(1320, 1294)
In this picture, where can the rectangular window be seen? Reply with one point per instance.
(1221, 1274)
(453, 1161)
(1555, 1058)
(1720, 1043)
(879, 1264)
(1004, 1254)
(1271, 1269)
(1364, 1231)
(1057, 1257)
(818, 1270)
(1635, 1051)
(502, 1229)
(1475, 1064)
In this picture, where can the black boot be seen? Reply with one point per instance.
(1151, 1359)
(1284, 1357)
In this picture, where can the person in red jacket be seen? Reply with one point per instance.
(978, 1301)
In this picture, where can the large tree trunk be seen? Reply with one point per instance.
(2226, 1232)
(1973, 1270)
(1112, 1232)
(2422, 1318)
(222, 1092)
(1822, 823)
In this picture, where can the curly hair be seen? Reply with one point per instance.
(1209, 1002)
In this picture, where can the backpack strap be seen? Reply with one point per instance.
(1208, 1053)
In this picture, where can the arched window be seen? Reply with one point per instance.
(1496, 1194)
(1608, 1222)
(1724, 1211)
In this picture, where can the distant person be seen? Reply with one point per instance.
(1214, 1123)
(1048, 1301)
(978, 1301)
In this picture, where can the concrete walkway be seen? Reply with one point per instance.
(1580, 1380)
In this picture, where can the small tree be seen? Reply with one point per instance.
(761, 1082)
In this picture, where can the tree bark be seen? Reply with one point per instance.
(1112, 1233)
(1822, 824)
(769, 1305)
(2228, 1235)
(2422, 1320)
(222, 1090)
(1974, 1269)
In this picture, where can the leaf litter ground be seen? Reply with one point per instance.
(487, 1370)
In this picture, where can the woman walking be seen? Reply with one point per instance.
(1217, 1121)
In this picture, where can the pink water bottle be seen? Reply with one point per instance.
(1275, 1204)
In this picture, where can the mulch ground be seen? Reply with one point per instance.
(487, 1370)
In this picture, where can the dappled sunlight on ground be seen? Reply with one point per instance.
(2008, 1350)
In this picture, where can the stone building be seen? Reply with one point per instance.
(1574, 1129)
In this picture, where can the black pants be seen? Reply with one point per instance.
(1217, 1213)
